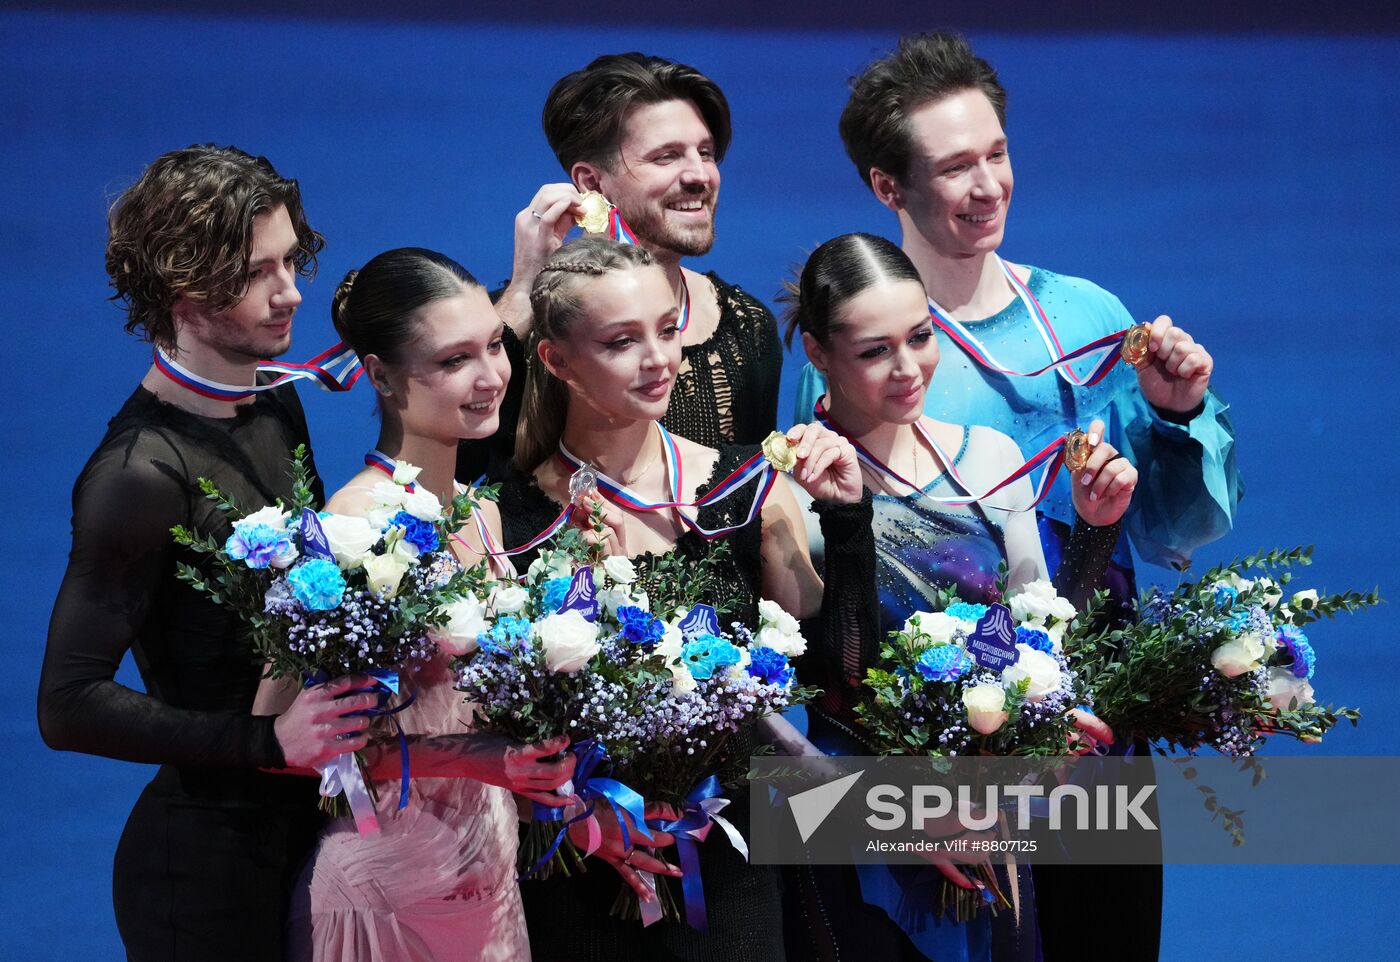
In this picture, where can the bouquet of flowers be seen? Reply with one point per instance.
(327, 594)
(1221, 661)
(965, 679)
(971, 678)
(654, 702)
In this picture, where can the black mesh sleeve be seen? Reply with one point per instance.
(847, 632)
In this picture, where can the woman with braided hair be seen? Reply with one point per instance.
(604, 352)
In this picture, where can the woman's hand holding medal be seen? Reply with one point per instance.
(820, 460)
(1101, 479)
(1176, 372)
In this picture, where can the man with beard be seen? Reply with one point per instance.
(204, 252)
(648, 134)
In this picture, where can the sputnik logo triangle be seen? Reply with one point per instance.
(810, 808)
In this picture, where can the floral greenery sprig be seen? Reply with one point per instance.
(390, 596)
(1220, 661)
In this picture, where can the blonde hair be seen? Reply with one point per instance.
(554, 300)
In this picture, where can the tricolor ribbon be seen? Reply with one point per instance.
(380, 461)
(701, 811)
(1104, 351)
(1052, 456)
(620, 232)
(615, 491)
(334, 369)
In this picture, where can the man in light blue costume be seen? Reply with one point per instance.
(925, 127)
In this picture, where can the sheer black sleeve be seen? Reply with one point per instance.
(1084, 560)
(118, 578)
(846, 634)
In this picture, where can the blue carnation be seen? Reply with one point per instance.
(508, 633)
(417, 532)
(640, 627)
(555, 590)
(966, 612)
(1036, 638)
(708, 652)
(770, 666)
(944, 663)
(317, 584)
(1296, 644)
(257, 544)
(1225, 595)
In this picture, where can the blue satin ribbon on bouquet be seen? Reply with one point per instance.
(384, 686)
(590, 788)
(702, 807)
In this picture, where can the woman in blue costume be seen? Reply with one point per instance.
(863, 315)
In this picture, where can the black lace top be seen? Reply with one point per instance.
(120, 592)
(743, 359)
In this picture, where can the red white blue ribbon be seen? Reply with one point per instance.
(334, 369)
(1103, 351)
(1052, 456)
(620, 232)
(756, 466)
(380, 461)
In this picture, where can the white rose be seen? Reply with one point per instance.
(509, 599)
(682, 680)
(285, 559)
(405, 551)
(466, 619)
(1239, 655)
(781, 642)
(271, 516)
(1037, 601)
(618, 596)
(986, 708)
(937, 626)
(1235, 581)
(384, 572)
(1284, 687)
(620, 569)
(772, 613)
(1305, 599)
(1042, 670)
(405, 473)
(671, 643)
(350, 538)
(568, 640)
(549, 565)
(422, 504)
(741, 668)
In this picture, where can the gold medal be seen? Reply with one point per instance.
(779, 452)
(1136, 343)
(1077, 450)
(594, 219)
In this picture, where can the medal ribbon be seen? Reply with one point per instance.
(1103, 350)
(615, 491)
(620, 232)
(1052, 456)
(334, 369)
(380, 461)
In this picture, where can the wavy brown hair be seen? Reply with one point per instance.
(554, 299)
(185, 229)
(586, 110)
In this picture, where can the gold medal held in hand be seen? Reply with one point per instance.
(1077, 450)
(1136, 343)
(779, 452)
(594, 219)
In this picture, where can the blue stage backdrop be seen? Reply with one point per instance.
(1241, 181)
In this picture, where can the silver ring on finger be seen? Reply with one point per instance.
(536, 215)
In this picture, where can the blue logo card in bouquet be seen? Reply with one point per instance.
(581, 597)
(700, 620)
(313, 537)
(993, 642)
